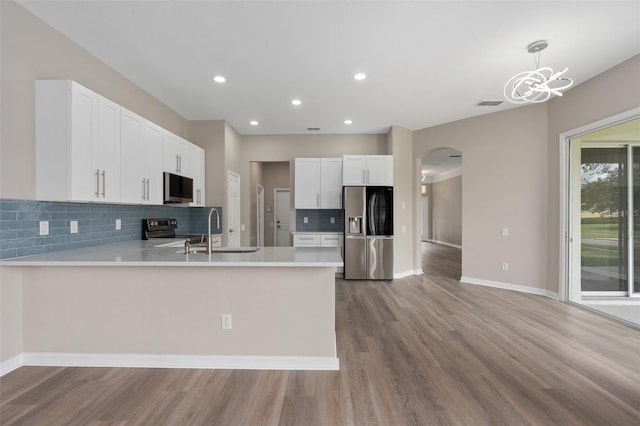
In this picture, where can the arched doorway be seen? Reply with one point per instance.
(441, 213)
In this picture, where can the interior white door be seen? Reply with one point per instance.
(282, 230)
(233, 209)
(260, 215)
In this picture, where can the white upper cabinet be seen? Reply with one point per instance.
(77, 144)
(331, 183)
(106, 153)
(176, 154)
(307, 183)
(153, 162)
(318, 183)
(91, 149)
(374, 170)
(141, 160)
(196, 167)
(133, 184)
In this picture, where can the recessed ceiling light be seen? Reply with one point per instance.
(360, 76)
(219, 79)
(296, 102)
(348, 122)
(253, 122)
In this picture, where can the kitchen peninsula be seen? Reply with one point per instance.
(140, 305)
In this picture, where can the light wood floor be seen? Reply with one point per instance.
(439, 260)
(424, 350)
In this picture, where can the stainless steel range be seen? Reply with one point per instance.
(159, 228)
(165, 228)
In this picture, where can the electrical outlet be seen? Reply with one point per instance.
(118, 224)
(225, 321)
(504, 232)
(44, 227)
(505, 266)
(73, 227)
(305, 219)
(333, 220)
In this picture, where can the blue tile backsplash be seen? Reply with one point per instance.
(20, 219)
(319, 220)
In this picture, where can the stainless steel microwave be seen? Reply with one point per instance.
(177, 189)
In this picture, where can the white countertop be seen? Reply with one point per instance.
(146, 253)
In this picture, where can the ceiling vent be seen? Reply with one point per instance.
(313, 129)
(489, 103)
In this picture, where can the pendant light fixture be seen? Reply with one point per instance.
(539, 85)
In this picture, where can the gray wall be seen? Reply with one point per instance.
(446, 200)
(511, 176)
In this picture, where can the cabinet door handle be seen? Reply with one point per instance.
(97, 183)
(104, 181)
(148, 195)
(144, 190)
(364, 176)
(367, 176)
(318, 200)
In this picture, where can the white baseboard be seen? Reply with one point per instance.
(397, 275)
(444, 243)
(509, 286)
(221, 362)
(11, 364)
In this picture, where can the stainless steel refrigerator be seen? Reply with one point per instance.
(368, 233)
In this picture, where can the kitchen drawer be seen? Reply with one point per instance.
(306, 240)
(331, 240)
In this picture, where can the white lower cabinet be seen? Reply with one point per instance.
(321, 239)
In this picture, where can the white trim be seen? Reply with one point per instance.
(444, 243)
(397, 275)
(11, 364)
(224, 362)
(509, 286)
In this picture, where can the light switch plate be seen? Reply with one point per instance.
(305, 219)
(504, 232)
(73, 227)
(333, 220)
(118, 224)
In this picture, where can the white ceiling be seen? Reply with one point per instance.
(427, 62)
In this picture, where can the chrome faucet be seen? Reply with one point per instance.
(213, 209)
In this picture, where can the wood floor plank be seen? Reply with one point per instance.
(423, 350)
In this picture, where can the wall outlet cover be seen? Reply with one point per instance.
(305, 219)
(118, 224)
(44, 227)
(73, 227)
(225, 321)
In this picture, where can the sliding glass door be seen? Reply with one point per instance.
(606, 185)
(604, 260)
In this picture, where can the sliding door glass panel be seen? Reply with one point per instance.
(604, 229)
(636, 220)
